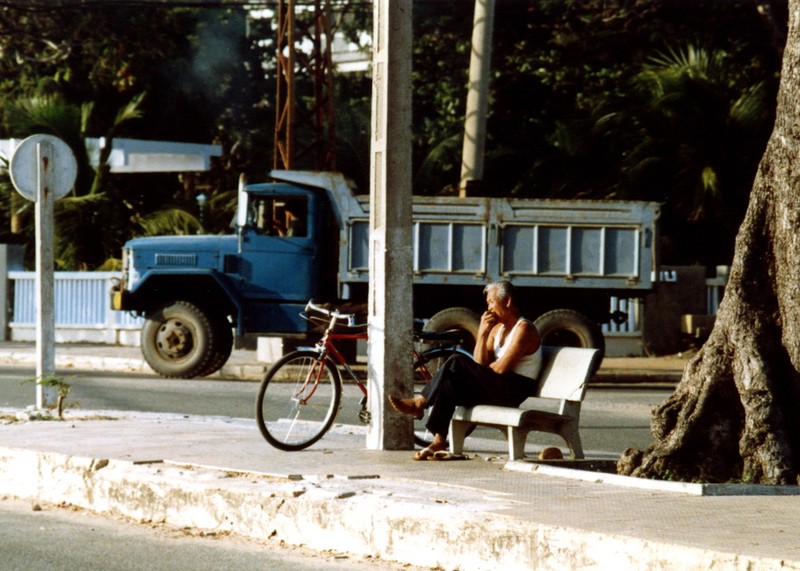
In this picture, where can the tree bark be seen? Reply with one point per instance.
(735, 414)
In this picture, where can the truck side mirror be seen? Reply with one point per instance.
(241, 213)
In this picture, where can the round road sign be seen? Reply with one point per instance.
(47, 157)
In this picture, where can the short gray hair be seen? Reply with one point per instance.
(503, 289)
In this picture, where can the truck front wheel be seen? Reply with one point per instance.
(223, 340)
(569, 328)
(178, 340)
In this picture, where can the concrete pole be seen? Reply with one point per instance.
(477, 95)
(390, 300)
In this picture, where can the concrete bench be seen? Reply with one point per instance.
(565, 374)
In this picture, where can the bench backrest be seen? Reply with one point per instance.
(566, 372)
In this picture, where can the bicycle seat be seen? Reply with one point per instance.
(451, 336)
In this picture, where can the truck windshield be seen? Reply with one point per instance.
(279, 216)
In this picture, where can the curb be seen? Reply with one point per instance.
(389, 519)
(618, 377)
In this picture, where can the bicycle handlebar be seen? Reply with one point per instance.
(350, 318)
(450, 336)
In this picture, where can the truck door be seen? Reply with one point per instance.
(278, 259)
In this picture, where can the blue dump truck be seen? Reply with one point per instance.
(305, 235)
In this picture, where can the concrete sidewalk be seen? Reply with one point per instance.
(218, 474)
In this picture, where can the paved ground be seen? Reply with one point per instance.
(481, 513)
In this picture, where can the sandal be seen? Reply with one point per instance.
(425, 454)
(444, 455)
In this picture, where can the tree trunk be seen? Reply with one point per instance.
(735, 415)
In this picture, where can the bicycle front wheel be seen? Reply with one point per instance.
(298, 400)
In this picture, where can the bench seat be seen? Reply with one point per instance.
(564, 378)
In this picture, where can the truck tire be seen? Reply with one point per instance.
(456, 318)
(569, 328)
(178, 340)
(223, 340)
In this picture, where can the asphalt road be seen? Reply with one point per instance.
(612, 419)
(43, 537)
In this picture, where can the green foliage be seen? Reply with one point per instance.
(596, 99)
(641, 99)
(79, 73)
(701, 133)
(83, 217)
(62, 387)
(169, 221)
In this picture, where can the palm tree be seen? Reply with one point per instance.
(96, 217)
(700, 135)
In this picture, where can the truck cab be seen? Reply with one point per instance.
(195, 291)
(282, 255)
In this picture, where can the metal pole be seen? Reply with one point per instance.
(284, 96)
(46, 397)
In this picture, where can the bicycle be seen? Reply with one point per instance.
(300, 395)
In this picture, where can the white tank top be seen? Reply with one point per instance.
(530, 365)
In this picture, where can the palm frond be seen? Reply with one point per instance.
(81, 201)
(748, 111)
(132, 110)
(110, 265)
(170, 221)
(440, 164)
(49, 114)
(669, 71)
(690, 60)
(86, 114)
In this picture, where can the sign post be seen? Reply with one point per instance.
(43, 170)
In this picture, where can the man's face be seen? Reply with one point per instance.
(494, 305)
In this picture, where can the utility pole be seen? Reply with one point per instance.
(390, 304)
(474, 148)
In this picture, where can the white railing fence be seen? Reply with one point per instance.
(715, 289)
(630, 306)
(82, 309)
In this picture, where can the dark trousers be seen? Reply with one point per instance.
(463, 382)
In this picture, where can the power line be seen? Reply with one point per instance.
(49, 5)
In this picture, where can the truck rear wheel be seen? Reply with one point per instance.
(456, 318)
(569, 328)
(178, 340)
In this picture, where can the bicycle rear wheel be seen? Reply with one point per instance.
(298, 400)
(425, 368)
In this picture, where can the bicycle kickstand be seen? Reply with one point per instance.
(364, 415)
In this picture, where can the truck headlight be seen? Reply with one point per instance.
(129, 274)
